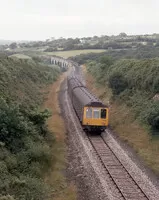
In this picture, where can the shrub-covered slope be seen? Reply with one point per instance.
(25, 142)
(134, 82)
(20, 80)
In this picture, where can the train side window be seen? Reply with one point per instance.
(103, 113)
(96, 113)
(89, 113)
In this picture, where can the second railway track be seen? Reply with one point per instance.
(124, 183)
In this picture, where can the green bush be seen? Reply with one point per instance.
(26, 188)
(13, 126)
(117, 83)
(25, 152)
(152, 115)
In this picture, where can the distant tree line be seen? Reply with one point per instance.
(139, 53)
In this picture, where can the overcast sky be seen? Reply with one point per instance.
(42, 19)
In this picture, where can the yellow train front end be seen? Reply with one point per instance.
(95, 118)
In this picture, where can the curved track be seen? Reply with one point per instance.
(127, 188)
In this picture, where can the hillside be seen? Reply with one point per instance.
(110, 43)
(21, 80)
(25, 141)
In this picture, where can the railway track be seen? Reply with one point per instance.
(124, 183)
(106, 172)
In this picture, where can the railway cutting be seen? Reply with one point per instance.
(102, 174)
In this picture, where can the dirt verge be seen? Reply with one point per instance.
(61, 189)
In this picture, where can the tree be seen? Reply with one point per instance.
(153, 116)
(118, 83)
(106, 60)
(122, 34)
(13, 45)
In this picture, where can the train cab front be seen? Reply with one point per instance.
(95, 119)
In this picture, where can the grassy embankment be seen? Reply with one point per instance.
(27, 147)
(130, 86)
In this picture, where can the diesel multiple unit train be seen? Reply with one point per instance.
(92, 113)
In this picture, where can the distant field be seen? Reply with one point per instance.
(22, 56)
(67, 54)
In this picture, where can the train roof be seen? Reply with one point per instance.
(86, 98)
(74, 82)
(83, 94)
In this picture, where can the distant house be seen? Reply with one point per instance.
(144, 43)
(110, 48)
(82, 41)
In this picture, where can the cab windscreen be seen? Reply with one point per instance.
(103, 113)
